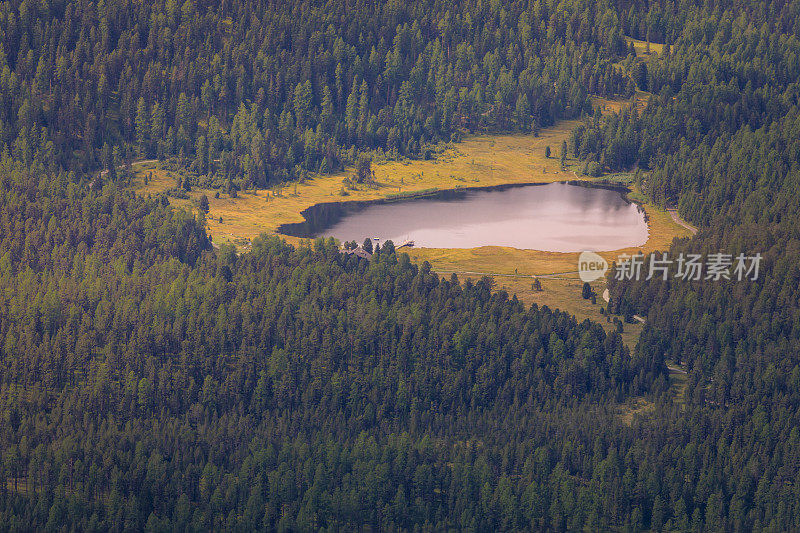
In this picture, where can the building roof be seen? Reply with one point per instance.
(358, 252)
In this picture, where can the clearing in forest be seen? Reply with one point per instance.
(641, 46)
(477, 161)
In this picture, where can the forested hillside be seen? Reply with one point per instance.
(721, 140)
(147, 381)
(150, 381)
(261, 92)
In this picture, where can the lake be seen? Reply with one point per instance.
(556, 217)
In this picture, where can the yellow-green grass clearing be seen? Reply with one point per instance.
(560, 292)
(635, 407)
(159, 180)
(641, 46)
(615, 105)
(642, 407)
(678, 380)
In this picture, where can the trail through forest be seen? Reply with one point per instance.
(677, 218)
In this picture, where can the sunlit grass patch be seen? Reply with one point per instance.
(641, 46)
(635, 407)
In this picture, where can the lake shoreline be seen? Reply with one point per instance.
(561, 217)
(295, 229)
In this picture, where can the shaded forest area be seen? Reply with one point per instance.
(721, 141)
(284, 387)
(149, 381)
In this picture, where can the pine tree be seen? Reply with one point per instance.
(522, 112)
(142, 127)
(302, 103)
(157, 128)
(586, 291)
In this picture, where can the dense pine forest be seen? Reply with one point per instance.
(259, 92)
(151, 381)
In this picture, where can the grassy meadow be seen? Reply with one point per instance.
(641, 46)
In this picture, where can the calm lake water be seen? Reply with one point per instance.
(556, 217)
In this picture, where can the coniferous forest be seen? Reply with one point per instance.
(150, 381)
